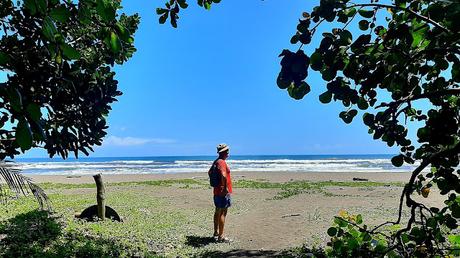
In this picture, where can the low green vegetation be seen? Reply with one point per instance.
(168, 182)
(150, 228)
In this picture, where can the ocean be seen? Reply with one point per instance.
(184, 164)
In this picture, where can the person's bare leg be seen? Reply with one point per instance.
(222, 222)
(216, 221)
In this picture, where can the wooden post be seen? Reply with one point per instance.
(100, 196)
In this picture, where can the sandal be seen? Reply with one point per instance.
(224, 240)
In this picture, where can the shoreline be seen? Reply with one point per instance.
(270, 176)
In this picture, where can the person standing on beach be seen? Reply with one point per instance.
(222, 198)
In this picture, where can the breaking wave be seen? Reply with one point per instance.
(162, 165)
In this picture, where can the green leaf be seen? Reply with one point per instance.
(105, 10)
(49, 29)
(328, 74)
(115, 44)
(302, 27)
(298, 92)
(161, 11)
(347, 117)
(34, 6)
(337, 245)
(419, 35)
(42, 6)
(123, 32)
(353, 112)
(342, 18)
(326, 97)
(60, 14)
(352, 243)
(15, 99)
(367, 237)
(359, 219)
(4, 58)
(362, 104)
(345, 37)
(363, 25)
(368, 119)
(454, 239)
(69, 52)
(163, 18)
(455, 210)
(431, 222)
(294, 39)
(350, 12)
(397, 161)
(456, 72)
(340, 222)
(173, 20)
(30, 6)
(23, 135)
(34, 112)
(182, 4)
(366, 13)
(423, 133)
(282, 84)
(332, 231)
(316, 61)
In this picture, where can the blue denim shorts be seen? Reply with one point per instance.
(222, 201)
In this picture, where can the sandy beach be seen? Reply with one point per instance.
(257, 220)
(270, 176)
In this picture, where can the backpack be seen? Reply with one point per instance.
(215, 176)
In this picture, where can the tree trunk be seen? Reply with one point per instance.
(100, 196)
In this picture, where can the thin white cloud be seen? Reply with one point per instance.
(134, 141)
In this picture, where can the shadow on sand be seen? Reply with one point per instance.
(199, 241)
(247, 253)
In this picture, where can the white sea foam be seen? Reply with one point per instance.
(168, 165)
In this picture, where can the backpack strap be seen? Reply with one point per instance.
(213, 166)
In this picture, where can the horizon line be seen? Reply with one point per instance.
(205, 155)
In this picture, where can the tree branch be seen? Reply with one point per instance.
(361, 228)
(401, 201)
(409, 98)
(424, 18)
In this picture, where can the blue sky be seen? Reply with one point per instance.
(213, 80)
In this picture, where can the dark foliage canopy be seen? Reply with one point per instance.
(59, 57)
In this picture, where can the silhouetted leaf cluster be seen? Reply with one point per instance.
(173, 7)
(410, 55)
(59, 57)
